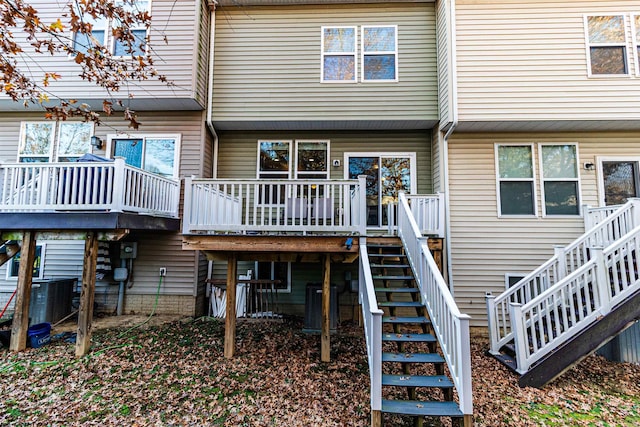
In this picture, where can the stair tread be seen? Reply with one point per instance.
(439, 381)
(388, 336)
(399, 290)
(387, 255)
(412, 357)
(390, 266)
(420, 408)
(400, 319)
(399, 304)
(384, 245)
(392, 277)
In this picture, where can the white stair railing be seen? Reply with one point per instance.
(577, 301)
(372, 319)
(564, 261)
(451, 327)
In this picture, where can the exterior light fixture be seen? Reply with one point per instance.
(96, 142)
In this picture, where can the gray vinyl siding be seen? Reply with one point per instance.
(173, 31)
(485, 247)
(201, 53)
(238, 152)
(443, 28)
(267, 65)
(526, 60)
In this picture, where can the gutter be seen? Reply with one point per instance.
(445, 143)
(209, 120)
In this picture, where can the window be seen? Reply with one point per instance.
(636, 41)
(154, 153)
(606, 45)
(338, 54)
(619, 180)
(559, 175)
(99, 35)
(275, 271)
(515, 182)
(51, 141)
(38, 264)
(379, 53)
(312, 159)
(274, 159)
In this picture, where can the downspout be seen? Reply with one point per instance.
(212, 36)
(445, 143)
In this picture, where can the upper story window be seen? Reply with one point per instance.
(51, 141)
(515, 180)
(379, 53)
(559, 175)
(338, 54)
(103, 30)
(154, 153)
(607, 45)
(636, 41)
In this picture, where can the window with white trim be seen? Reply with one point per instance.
(379, 53)
(103, 30)
(607, 45)
(156, 153)
(559, 177)
(274, 162)
(635, 19)
(275, 270)
(38, 264)
(339, 60)
(54, 141)
(515, 180)
(312, 158)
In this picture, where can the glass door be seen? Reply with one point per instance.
(387, 175)
(619, 181)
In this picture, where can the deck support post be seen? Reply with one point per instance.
(376, 418)
(230, 318)
(468, 420)
(325, 345)
(20, 323)
(87, 295)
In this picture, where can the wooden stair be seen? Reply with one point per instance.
(8, 250)
(414, 381)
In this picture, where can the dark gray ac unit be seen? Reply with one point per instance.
(313, 308)
(50, 300)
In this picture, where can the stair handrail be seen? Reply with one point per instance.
(564, 261)
(586, 294)
(450, 326)
(372, 319)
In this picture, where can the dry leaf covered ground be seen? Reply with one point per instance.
(174, 374)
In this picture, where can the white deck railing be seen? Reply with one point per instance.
(427, 210)
(86, 186)
(580, 299)
(272, 205)
(565, 261)
(450, 325)
(372, 319)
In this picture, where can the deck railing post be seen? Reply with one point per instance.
(464, 364)
(441, 213)
(519, 337)
(492, 323)
(603, 282)
(119, 185)
(362, 184)
(186, 210)
(559, 253)
(635, 212)
(587, 217)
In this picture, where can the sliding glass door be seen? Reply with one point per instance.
(387, 175)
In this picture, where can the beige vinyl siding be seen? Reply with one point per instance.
(175, 20)
(267, 65)
(527, 60)
(443, 29)
(238, 152)
(485, 247)
(201, 52)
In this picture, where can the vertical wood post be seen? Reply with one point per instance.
(376, 418)
(87, 295)
(230, 318)
(325, 344)
(23, 296)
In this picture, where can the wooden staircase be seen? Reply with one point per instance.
(413, 372)
(8, 250)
